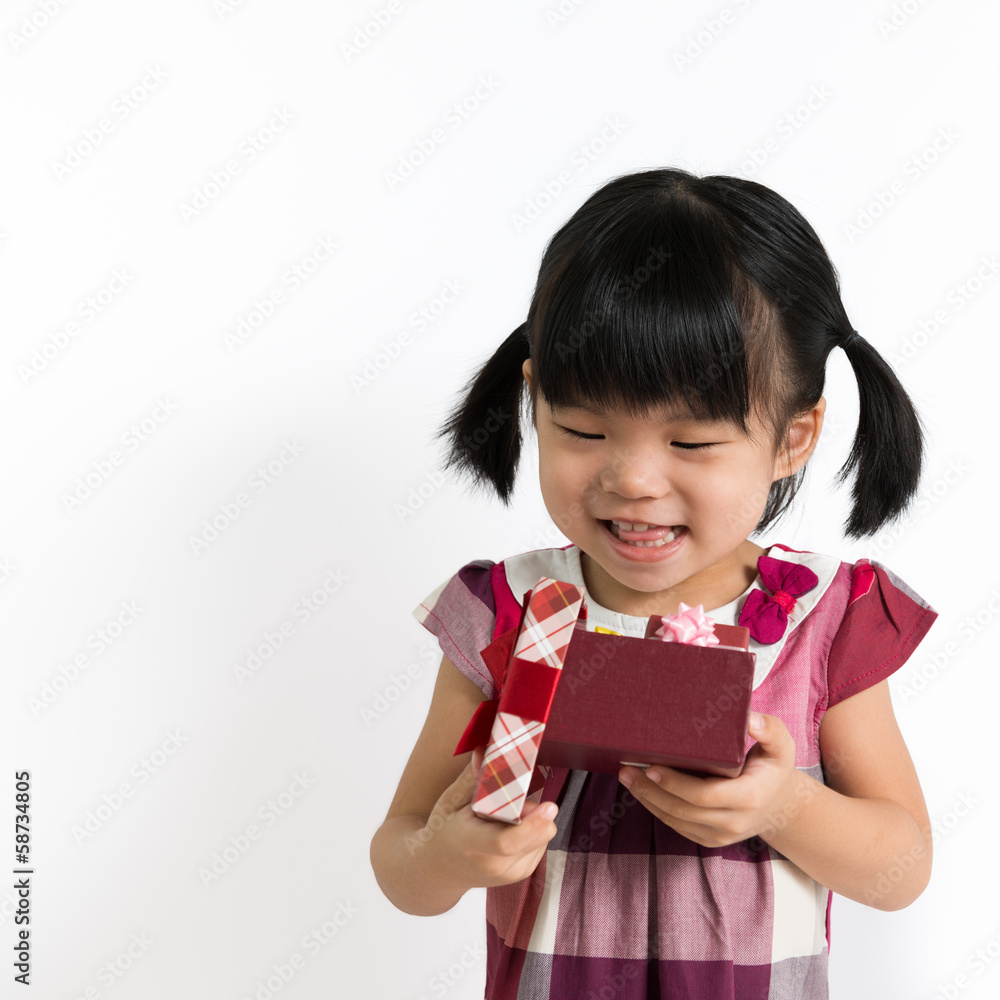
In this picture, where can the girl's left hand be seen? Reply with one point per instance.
(714, 811)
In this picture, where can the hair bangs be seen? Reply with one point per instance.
(649, 313)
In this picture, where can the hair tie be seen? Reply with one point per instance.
(849, 339)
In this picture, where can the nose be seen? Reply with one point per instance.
(635, 474)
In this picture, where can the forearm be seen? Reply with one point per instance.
(403, 869)
(870, 850)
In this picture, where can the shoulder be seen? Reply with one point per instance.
(843, 583)
(880, 622)
(470, 584)
(483, 583)
(522, 571)
(482, 598)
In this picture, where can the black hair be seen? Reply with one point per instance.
(714, 292)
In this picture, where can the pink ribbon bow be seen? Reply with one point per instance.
(766, 615)
(689, 625)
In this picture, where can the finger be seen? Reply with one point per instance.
(770, 733)
(657, 797)
(678, 813)
(462, 789)
(475, 763)
(678, 786)
(544, 812)
(535, 829)
(491, 836)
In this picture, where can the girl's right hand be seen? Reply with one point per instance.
(471, 851)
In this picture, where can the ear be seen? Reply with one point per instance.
(800, 441)
(526, 371)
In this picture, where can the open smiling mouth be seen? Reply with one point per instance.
(644, 535)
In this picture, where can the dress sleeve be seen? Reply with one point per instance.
(884, 623)
(461, 613)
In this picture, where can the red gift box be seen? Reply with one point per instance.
(595, 700)
(621, 699)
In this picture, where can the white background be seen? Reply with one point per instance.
(161, 709)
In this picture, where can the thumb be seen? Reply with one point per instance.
(463, 787)
(759, 728)
(471, 773)
(546, 811)
(767, 730)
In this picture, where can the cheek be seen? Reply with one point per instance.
(560, 480)
(749, 502)
(566, 473)
(571, 490)
(736, 499)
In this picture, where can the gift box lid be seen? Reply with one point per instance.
(622, 698)
(731, 636)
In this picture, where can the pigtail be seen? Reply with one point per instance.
(887, 452)
(484, 431)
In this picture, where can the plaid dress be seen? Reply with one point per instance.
(623, 906)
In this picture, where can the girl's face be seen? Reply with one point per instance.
(701, 487)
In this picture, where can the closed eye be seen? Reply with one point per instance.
(578, 434)
(687, 445)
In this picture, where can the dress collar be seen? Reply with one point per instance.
(524, 570)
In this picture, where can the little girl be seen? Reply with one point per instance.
(674, 355)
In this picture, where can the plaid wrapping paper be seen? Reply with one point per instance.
(553, 607)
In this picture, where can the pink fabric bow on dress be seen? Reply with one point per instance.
(690, 625)
(766, 616)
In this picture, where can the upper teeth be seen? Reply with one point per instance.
(617, 527)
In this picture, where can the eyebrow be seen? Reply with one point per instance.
(585, 406)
